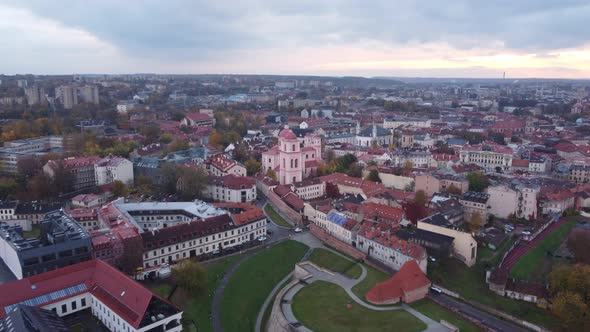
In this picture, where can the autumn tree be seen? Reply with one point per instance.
(408, 166)
(373, 176)
(572, 311)
(579, 244)
(119, 189)
(476, 222)
(271, 174)
(252, 166)
(570, 287)
(453, 190)
(332, 190)
(169, 176)
(40, 187)
(131, 258)
(420, 198)
(190, 276)
(151, 133)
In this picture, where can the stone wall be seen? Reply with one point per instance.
(284, 209)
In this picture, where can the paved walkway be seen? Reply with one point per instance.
(346, 283)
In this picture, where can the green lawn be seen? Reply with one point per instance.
(275, 217)
(34, 233)
(321, 306)
(252, 282)
(336, 263)
(373, 277)
(197, 307)
(529, 263)
(438, 313)
(470, 283)
(162, 289)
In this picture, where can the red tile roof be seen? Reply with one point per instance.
(199, 117)
(232, 181)
(287, 134)
(520, 163)
(123, 295)
(382, 212)
(408, 279)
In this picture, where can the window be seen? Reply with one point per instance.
(83, 302)
(64, 308)
(74, 304)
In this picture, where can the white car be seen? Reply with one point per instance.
(262, 238)
(298, 230)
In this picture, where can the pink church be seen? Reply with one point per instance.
(289, 160)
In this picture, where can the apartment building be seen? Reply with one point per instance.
(80, 170)
(475, 203)
(435, 182)
(232, 188)
(220, 165)
(113, 168)
(518, 200)
(380, 244)
(62, 242)
(13, 151)
(310, 188)
(464, 245)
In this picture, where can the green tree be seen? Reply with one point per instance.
(252, 166)
(477, 181)
(373, 176)
(144, 185)
(190, 276)
(192, 182)
(150, 132)
(169, 175)
(8, 187)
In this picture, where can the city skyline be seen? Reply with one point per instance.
(329, 38)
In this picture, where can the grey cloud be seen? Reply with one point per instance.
(186, 29)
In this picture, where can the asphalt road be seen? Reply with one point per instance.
(485, 318)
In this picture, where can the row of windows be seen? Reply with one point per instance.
(213, 238)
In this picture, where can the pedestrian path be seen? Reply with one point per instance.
(346, 283)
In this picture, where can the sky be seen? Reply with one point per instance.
(427, 38)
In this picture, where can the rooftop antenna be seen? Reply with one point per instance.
(504, 76)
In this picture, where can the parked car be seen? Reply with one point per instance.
(298, 230)
(262, 238)
(435, 290)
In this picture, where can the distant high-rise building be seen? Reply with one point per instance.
(35, 95)
(67, 95)
(22, 83)
(88, 94)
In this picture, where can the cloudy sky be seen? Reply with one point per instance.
(428, 38)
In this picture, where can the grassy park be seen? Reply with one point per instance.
(253, 281)
(335, 263)
(530, 265)
(275, 217)
(197, 307)
(322, 307)
(373, 277)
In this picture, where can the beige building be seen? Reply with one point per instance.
(389, 179)
(518, 200)
(489, 156)
(464, 245)
(474, 203)
(432, 183)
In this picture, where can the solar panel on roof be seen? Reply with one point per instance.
(39, 300)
